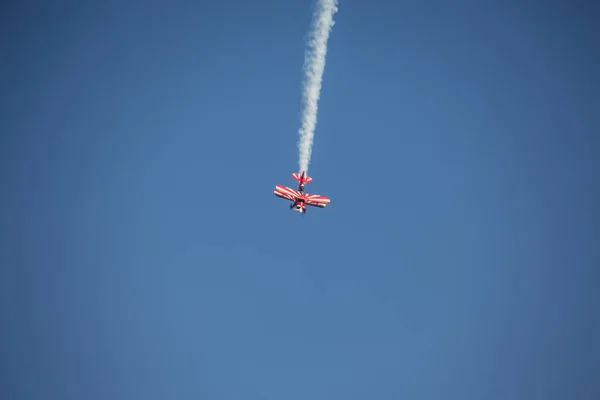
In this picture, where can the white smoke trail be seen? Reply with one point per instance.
(314, 65)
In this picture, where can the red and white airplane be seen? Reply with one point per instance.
(298, 198)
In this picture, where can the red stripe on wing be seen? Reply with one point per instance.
(286, 192)
(317, 200)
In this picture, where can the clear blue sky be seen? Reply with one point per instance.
(143, 254)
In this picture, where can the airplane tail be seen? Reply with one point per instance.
(298, 177)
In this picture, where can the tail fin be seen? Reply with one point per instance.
(298, 177)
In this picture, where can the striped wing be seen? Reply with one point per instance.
(286, 193)
(316, 200)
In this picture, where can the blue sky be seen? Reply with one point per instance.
(143, 254)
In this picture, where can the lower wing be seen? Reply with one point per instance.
(316, 200)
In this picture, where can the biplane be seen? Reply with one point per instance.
(298, 197)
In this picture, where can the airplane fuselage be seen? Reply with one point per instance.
(298, 205)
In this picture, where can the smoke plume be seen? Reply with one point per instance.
(314, 65)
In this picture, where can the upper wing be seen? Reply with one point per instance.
(316, 200)
(286, 192)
